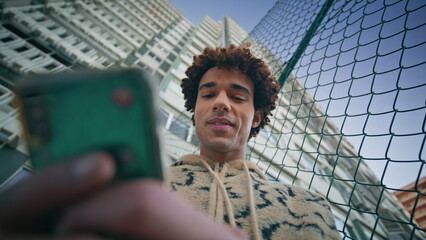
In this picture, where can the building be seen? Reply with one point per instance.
(54, 36)
(413, 198)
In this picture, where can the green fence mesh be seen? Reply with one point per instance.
(350, 122)
(351, 116)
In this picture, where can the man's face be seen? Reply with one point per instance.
(224, 112)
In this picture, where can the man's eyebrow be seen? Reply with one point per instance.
(241, 88)
(207, 85)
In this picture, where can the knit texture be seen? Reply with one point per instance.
(237, 193)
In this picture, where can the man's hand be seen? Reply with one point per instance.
(77, 197)
(31, 204)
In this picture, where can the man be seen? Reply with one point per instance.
(231, 94)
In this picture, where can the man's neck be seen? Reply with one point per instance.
(220, 157)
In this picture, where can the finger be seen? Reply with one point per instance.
(143, 209)
(45, 237)
(53, 188)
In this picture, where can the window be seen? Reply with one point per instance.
(64, 35)
(176, 49)
(85, 50)
(171, 57)
(34, 57)
(22, 174)
(6, 39)
(155, 57)
(22, 49)
(51, 66)
(130, 60)
(179, 128)
(145, 67)
(162, 49)
(4, 135)
(163, 117)
(143, 50)
(165, 66)
(158, 76)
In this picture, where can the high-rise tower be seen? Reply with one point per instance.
(54, 36)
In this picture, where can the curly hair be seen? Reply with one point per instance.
(240, 58)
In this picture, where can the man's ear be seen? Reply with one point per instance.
(256, 119)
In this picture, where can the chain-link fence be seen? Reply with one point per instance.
(351, 117)
(350, 122)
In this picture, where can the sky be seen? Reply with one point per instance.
(247, 13)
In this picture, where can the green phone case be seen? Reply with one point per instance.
(68, 114)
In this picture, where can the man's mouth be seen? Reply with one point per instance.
(220, 122)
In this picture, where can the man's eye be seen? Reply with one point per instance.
(207, 95)
(239, 99)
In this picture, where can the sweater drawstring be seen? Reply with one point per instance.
(219, 183)
(253, 216)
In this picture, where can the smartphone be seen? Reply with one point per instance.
(68, 114)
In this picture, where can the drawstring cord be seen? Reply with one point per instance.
(219, 208)
(224, 193)
(253, 216)
(213, 200)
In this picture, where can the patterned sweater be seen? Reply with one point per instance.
(237, 193)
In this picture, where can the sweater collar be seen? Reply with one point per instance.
(236, 164)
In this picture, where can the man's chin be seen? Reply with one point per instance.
(221, 145)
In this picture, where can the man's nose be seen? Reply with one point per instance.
(221, 103)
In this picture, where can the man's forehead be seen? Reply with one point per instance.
(231, 85)
(215, 76)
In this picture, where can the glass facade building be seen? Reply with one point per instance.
(55, 36)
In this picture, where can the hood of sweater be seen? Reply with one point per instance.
(219, 204)
(238, 193)
(238, 164)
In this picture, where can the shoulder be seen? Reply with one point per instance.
(183, 166)
(301, 196)
(306, 209)
(183, 174)
(298, 192)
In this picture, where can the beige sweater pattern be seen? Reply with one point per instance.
(238, 194)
